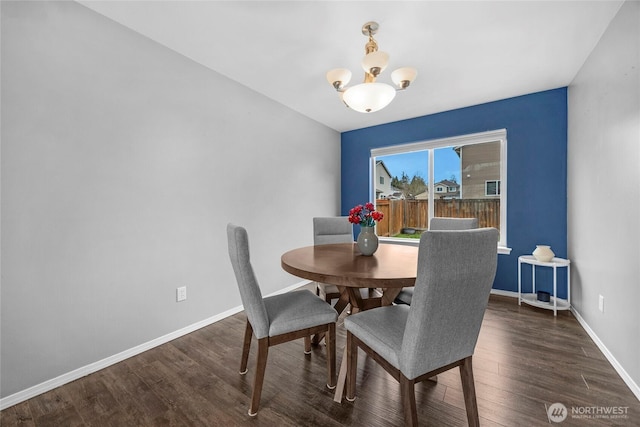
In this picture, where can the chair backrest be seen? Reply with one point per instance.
(443, 223)
(250, 293)
(336, 229)
(456, 270)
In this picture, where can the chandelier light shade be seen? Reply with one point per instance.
(375, 62)
(339, 77)
(402, 77)
(370, 96)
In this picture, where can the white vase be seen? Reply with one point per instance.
(543, 253)
(367, 240)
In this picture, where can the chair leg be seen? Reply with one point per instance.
(352, 367)
(246, 346)
(469, 391)
(307, 345)
(407, 392)
(330, 339)
(263, 352)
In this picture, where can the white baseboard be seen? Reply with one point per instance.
(511, 294)
(616, 365)
(63, 379)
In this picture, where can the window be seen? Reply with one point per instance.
(492, 188)
(460, 176)
(382, 180)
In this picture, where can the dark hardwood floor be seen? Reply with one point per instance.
(525, 361)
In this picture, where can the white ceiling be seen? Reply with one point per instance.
(466, 52)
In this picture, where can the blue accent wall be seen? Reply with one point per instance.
(536, 127)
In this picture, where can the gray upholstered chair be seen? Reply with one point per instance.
(328, 230)
(439, 223)
(439, 330)
(443, 223)
(278, 318)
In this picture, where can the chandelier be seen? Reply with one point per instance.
(370, 96)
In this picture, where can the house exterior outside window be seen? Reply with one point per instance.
(447, 189)
(480, 164)
(383, 183)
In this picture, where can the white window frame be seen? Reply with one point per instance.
(499, 135)
(498, 188)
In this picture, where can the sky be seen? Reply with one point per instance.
(446, 163)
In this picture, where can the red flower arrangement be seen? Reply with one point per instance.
(366, 215)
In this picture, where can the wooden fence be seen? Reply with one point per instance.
(399, 214)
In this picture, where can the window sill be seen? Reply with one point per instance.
(503, 250)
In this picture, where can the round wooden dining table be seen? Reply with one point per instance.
(390, 268)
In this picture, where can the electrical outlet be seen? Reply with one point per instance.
(181, 293)
(601, 303)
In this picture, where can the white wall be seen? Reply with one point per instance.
(604, 190)
(122, 163)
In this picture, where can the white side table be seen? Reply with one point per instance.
(555, 303)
